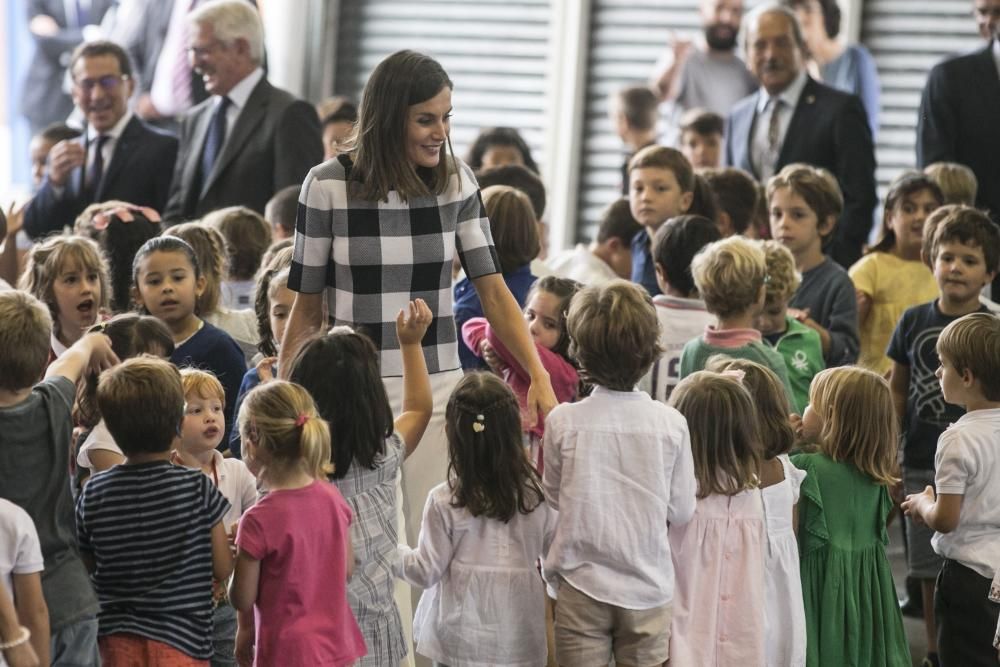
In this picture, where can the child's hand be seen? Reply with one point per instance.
(492, 359)
(102, 357)
(800, 314)
(412, 322)
(243, 651)
(264, 367)
(796, 423)
(911, 506)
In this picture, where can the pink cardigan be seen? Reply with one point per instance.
(565, 380)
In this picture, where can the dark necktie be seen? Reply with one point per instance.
(215, 138)
(95, 173)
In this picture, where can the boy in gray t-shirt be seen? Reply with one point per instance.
(35, 433)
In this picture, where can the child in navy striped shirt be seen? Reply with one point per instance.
(151, 532)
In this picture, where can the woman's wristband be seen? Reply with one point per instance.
(23, 639)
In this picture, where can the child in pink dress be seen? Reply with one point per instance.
(719, 555)
(294, 548)
(545, 313)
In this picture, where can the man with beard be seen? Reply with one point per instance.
(793, 118)
(710, 75)
(249, 139)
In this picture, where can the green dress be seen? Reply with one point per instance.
(852, 616)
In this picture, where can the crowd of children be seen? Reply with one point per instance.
(737, 425)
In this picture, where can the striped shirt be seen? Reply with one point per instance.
(149, 529)
(372, 258)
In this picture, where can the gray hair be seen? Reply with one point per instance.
(757, 12)
(231, 20)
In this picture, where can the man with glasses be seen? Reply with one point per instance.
(118, 156)
(959, 117)
(249, 139)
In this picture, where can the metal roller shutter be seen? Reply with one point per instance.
(627, 37)
(907, 39)
(495, 51)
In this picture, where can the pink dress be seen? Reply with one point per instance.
(302, 615)
(719, 583)
(565, 380)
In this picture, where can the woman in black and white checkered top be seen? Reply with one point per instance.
(378, 227)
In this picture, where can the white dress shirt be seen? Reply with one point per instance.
(967, 464)
(762, 120)
(619, 470)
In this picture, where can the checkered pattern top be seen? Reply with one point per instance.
(372, 258)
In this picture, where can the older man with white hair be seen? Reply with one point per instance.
(249, 139)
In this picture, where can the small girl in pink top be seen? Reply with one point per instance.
(294, 549)
(545, 313)
(719, 555)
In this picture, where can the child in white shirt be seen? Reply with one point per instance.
(620, 471)
(966, 510)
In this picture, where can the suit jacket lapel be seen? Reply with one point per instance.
(250, 116)
(124, 148)
(800, 118)
(989, 79)
(193, 158)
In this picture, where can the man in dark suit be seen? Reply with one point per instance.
(793, 118)
(959, 108)
(249, 139)
(118, 157)
(57, 27)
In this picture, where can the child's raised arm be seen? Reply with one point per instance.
(418, 399)
(93, 351)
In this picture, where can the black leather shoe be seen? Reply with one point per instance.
(913, 605)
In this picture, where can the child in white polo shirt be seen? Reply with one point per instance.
(965, 513)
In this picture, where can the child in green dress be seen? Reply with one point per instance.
(852, 617)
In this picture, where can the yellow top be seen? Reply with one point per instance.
(894, 285)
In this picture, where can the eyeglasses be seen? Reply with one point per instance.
(199, 51)
(107, 83)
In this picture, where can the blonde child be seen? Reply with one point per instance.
(69, 275)
(481, 535)
(852, 615)
(618, 470)
(340, 371)
(272, 306)
(201, 433)
(892, 277)
(294, 554)
(965, 512)
(718, 556)
(805, 203)
(730, 276)
(957, 182)
(800, 346)
(660, 186)
(247, 237)
(151, 532)
(168, 283)
(780, 481)
(131, 335)
(210, 248)
(679, 308)
(545, 313)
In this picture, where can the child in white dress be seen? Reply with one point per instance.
(482, 534)
(785, 629)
